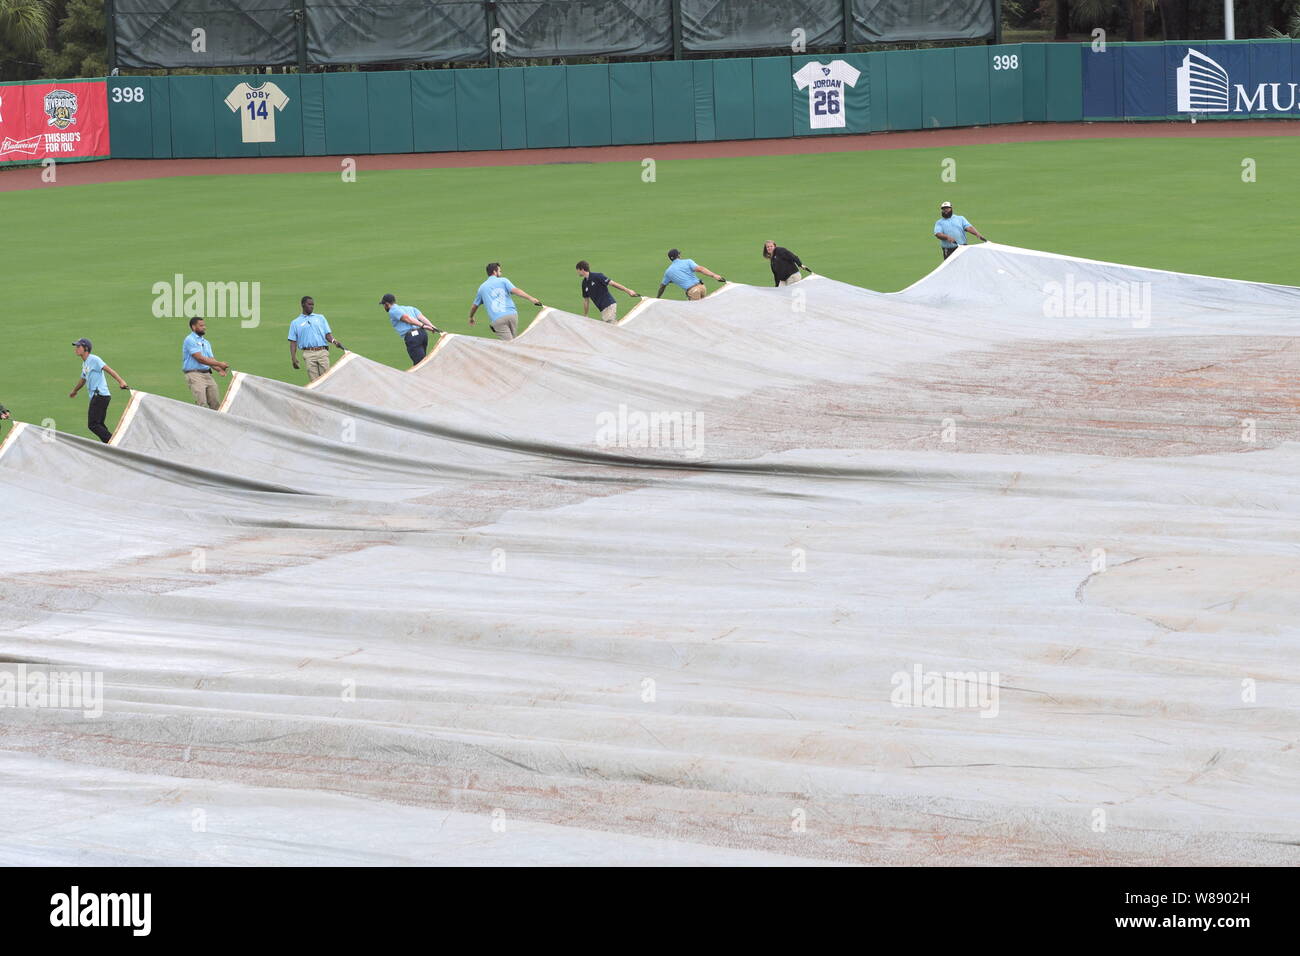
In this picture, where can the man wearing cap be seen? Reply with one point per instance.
(311, 333)
(682, 272)
(197, 363)
(496, 295)
(951, 230)
(410, 323)
(93, 371)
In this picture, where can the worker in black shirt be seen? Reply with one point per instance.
(787, 268)
(595, 288)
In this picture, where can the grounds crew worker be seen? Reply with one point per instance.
(197, 363)
(951, 230)
(787, 268)
(595, 288)
(496, 295)
(311, 333)
(93, 370)
(410, 323)
(682, 272)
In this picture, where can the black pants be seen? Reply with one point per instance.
(417, 343)
(96, 414)
(948, 252)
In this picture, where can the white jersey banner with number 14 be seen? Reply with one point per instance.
(825, 85)
(256, 106)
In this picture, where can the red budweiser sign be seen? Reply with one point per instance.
(64, 119)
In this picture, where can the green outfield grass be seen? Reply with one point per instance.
(83, 260)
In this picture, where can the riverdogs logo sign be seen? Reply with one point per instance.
(61, 108)
(65, 119)
(1203, 86)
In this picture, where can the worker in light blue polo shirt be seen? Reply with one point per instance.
(951, 230)
(410, 323)
(311, 333)
(198, 364)
(93, 370)
(496, 295)
(685, 273)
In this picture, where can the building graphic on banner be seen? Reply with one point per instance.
(825, 85)
(1203, 86)
(256, 106)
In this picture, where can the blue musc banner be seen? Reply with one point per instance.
(1255, 78)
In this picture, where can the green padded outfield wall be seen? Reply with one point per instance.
(971, 79)
(672, 96)
(938, 87)
(130, 116)
(510, 92)
(590, 114)
(631, 103)
(348, 114)
(733, 99)
(433, 111)
(1006, 83)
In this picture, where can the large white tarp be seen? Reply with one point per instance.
(679, 590)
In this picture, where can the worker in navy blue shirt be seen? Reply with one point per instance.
(93, 371)
(595, 288)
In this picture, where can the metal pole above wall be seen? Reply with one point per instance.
(491, 9)
(1229, 21)
(300, 32)
(846, 18)
(997, 21)
(677, 29)
(110, 34)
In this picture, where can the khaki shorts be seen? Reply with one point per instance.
(203, 387)
(696, 292)
(506, 326)
(793, 279)
(317, 362)
(609, 314)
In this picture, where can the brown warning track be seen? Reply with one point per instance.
(119, 170)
